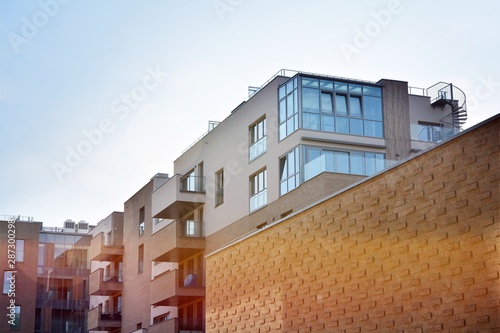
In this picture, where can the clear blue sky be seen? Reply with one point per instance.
(130, 84)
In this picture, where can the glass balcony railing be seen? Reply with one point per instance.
(258, 200)
(356, 165)
(193, 183)
(430, 133)
(192, 228)
(258, 148)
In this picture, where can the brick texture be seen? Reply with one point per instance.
(415, 249)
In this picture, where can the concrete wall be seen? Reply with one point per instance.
(414, 249)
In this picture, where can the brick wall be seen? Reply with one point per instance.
(415, 249)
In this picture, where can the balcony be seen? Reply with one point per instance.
(178, 241)
(178, 196)
(102, 249)
(174, 288)
(103, 285)
(99, 321)
(167, 326)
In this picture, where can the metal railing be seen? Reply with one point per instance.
(193, 183)
(17, 218)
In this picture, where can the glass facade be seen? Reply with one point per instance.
(62, 283)
(330, 106)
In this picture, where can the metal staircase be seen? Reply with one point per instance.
(442, 94)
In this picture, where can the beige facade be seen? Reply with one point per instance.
(412, 249)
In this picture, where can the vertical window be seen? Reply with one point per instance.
(257, 139)
(8, 276)
(141, 221)
(15, 324)
(288, 109)
(219, 187)
(289, 171)
(258, 190)
(140, 259)
(19, 250)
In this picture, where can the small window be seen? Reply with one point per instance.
(219, 187)
(8, 277)
(141, 221)
(257, 139)
(15, 323)
(140, 260)
(258, 190)
(19, 250)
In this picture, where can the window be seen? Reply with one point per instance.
(258, 190)
(8, 277)
(341, 107)
(257, 139)
(318, 160)
(15, 323)
(289, 171)
(288, 108)
(140, 259)
(219, 187)
(141, 221)
(19, 250)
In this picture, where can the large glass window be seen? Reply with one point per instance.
(341, 107)
(288, 108)
(289, 171)
(318, 160)
(258, 190)
(19, 250)
(257, 139)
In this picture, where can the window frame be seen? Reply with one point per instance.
(219, 187)
(258, 189)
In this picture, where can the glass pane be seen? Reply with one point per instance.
(379, 162)
(308, 82)
(289, 106)
(291, 183)
(355, 88)
(310, 100)
(328, 123)
(282, 131)
(372, 107)
(370, 163)
(326, 103)
(329, 162)
(341, 162)
(355, 104)
(341, 104)
(289, 87)
(283, 187)
(341, 125)
(326, 85)
(281, 92)
(310, 121)
(341, 86)
(312, 153)
(295, 102)
(283, 168)
(290, 126)
(374, 91)
(282, 110)
(356, 126)
(357, 164)
(291, 163)
(374, 128)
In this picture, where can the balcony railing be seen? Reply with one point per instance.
(193, 183)
(101, 249)
(258, 148)
(258, 200)
(430, 133)
(99, 320)
(103, 284)
(176, 287)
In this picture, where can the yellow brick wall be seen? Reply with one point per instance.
(416, 249)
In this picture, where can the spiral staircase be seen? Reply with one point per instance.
(444, 94)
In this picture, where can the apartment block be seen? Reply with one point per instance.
(48, 282)
(414, 248)
(298, 139)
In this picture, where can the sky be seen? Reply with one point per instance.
(96, 97)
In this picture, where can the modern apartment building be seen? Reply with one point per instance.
(297, 139)
(49, 280)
